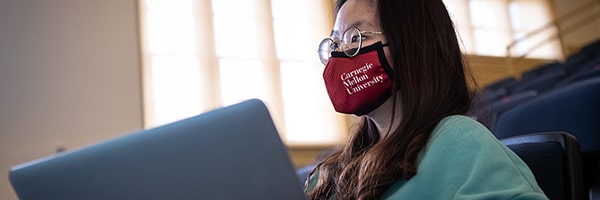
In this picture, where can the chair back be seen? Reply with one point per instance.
(554, 158)
(574, 109)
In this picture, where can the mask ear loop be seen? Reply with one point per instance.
(383, 61)
(387, 67)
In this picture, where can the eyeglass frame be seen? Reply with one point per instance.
(336, 45)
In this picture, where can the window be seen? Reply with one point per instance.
(487, 27)
(201, 54)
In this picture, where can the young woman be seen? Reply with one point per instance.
(398, 64)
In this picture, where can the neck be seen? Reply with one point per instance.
(382, 117)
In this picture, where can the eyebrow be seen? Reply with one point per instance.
(355, 24)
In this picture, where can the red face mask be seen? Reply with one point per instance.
(357, 85)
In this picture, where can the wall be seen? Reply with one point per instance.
(69, 77)
(583, 35)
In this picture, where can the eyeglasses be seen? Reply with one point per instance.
(350, 44)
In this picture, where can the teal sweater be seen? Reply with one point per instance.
(463, 160)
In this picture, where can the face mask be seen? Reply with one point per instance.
(357, 85)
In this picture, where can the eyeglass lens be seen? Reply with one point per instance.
(350, 43)
(325, 48)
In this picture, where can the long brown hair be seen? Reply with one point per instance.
(432, 82)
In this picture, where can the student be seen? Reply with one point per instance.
(398, 65)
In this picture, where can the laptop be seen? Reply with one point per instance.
(229, 153)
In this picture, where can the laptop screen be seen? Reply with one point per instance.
(233, 152)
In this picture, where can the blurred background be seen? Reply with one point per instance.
(74, 73)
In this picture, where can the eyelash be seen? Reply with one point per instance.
(362, 39)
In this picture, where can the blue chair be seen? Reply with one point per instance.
(513, 100)
(555, 161)
(587, 53)
(542, 69)
(487, 114)
(542, 83)
(587, 70)
(506, 84)
(574, 109)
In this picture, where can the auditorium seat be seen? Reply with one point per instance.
(555, 160)
(574, 109)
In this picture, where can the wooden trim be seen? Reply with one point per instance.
(487, 69)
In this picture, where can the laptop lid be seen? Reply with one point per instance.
(229, 153)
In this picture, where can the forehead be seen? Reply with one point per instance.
(355, 13)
